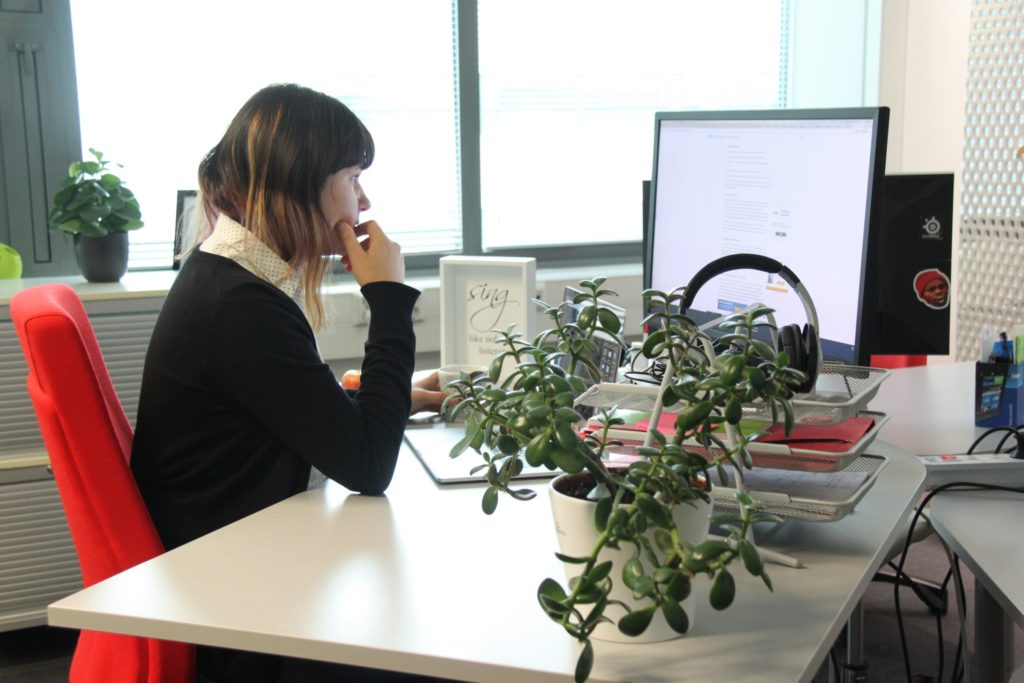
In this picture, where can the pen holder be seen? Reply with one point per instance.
(998, 394)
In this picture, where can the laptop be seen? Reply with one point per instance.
(432, 443)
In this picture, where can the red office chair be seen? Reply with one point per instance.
(89, 442)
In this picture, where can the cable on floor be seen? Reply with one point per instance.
(918, 512)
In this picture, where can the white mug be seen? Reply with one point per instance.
(450, 373)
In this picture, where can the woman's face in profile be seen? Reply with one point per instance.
(342, 197)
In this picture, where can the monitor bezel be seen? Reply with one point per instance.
(879, 116)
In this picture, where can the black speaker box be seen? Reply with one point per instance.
(911, 257)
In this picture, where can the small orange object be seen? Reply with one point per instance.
(350, 380)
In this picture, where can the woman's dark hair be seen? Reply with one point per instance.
(269, 169)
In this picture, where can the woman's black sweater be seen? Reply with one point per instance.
(236, 403)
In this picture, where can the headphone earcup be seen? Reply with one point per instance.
(811, 360)
(792, 344)
(792, 341)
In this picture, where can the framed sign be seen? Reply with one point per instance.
(481, 294)
(184, 215)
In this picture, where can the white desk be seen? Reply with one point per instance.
(984, 528)
(423, 581)
(932, 412)
(931, 408)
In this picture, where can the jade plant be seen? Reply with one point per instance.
(93, 202)
(531, 415)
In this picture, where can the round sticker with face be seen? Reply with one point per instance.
(932, 288)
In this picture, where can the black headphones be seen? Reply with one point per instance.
(800, 344)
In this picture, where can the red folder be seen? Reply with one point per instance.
(831, 438)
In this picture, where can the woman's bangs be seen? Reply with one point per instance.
(353, 142)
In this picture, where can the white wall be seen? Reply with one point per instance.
(834, 53)
(923, 81)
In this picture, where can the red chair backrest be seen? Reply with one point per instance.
(89, 439)
(85, 430)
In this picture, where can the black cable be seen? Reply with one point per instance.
(992, 430)
(956, 660)
(835, 663)
(959, 584)
(1018, 448)
(899, 610)
(938, 621)
(938, 626)
(959, 485)
(654, 373)
(961, 611)
(957, 672)
(945, 581)
(849, 389)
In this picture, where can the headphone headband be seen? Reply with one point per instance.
(738, 262)
(764, 264)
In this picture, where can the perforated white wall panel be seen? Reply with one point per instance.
(991, 272)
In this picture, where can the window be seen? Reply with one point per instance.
(160, 95)
(568, 92)
(568, 95)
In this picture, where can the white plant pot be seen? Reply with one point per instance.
(574, 525)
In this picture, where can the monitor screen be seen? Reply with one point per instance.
(797, 186)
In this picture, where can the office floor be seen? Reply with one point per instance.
(36, 655)
(927, 560)
(43, 655)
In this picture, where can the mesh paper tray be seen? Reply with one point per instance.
(840, 392)
(804, 496)
(763, 454)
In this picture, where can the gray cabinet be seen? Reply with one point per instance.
(37, 559)
(39, 133)
(38, 564)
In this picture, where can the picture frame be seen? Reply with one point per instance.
(481, 294)
(184, 209)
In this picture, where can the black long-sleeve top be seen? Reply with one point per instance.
(236, 403)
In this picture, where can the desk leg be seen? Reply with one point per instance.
(855, 669)
(992, 638)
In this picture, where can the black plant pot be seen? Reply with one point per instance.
(102, 259)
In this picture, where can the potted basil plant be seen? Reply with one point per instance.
(95, 208)
(634, 566)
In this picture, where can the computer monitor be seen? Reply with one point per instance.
(798, 186)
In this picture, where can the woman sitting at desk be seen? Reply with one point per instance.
(237, 407)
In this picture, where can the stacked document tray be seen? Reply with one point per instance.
(818, 472)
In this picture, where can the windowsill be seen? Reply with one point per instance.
(155, 283)
(544, 274)
(134, 285)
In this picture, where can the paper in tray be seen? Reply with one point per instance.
(761, 482)
(804, 496)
